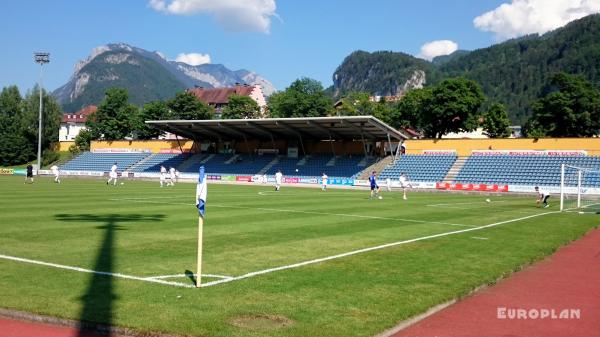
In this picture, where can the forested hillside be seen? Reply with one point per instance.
(515, 72)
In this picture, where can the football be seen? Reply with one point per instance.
(488, 200)
(380, 197)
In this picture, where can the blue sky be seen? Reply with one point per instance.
(282, 40)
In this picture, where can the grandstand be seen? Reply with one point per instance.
(102, 162)
(426, 168)
(344, 147)
(154, 162)
(523, 170)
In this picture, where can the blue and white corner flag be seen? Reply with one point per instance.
(201, 192)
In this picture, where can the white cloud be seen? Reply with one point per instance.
(233, 15)
(193, 59)
(437, 48)
(521, 17)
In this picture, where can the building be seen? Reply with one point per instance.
(72, 123)
(218, 98)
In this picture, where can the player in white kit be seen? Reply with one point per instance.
(172, 175)
(113, 175)
(278, 179)
(324, 181)
(56, 173)
(163, 175)
(404, 184)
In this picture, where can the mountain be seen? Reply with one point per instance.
(146, 75)
(515, 72)
(383, 73)
(439, 60)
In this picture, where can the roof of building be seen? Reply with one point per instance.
(308, 128)
(79, 116)
(221, 95)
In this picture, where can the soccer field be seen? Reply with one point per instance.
(299, 262)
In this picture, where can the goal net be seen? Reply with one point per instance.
(580, 189)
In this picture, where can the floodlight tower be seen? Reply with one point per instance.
(40, 58)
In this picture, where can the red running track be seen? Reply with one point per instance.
(15, 328)
(569, 279)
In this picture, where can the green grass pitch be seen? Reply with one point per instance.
(253, 240)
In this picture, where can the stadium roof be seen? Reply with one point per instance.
(308, 128)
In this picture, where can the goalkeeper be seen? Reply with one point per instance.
(542, 197)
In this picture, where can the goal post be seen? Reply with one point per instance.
(579, 189)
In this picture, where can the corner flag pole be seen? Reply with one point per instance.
(201, 190)
(199, 266)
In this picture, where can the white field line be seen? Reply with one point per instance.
(83, 270)
(186, 275)
(478, 238)
(139, 200)
(477, 206)
(463, 203)
(578, 210)
(364, 250)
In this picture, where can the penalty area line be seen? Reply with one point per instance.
(364, 250)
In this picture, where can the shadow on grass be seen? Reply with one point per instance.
(96, 314)
(190, 274)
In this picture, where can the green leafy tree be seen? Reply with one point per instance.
(156, 110)
(305, 97)
(356, 104)
(10, 110)
(496, 123)
(572, 110)
(14, 147)
(241, 107)
(407, 112)
(382, 110)
(51, 117)
(452, 107)
(82, 142)
(115, 117)
(187, 106)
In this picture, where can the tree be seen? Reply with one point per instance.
(452, 107)
(241, 107)
(187, 106)
(10, 109)
(496, 122)
(14, 147)
(82, 142)
(572, 109)
(114, 118)
(305, 97)
(355, 104)
(51, 117)
(407, 112)
(156, 110)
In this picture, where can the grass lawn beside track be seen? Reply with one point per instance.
(141, 229)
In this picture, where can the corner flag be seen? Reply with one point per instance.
(201, 192)
(201, 204)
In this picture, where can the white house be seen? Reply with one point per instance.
(72, 123)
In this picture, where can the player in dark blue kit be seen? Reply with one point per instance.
(374, 186)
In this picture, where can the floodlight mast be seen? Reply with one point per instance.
(40, 58)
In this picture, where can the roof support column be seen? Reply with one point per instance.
(301, 144)
(178, 143)
(248, 147)
(390, 144)
(332, 147)
(362, 136)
